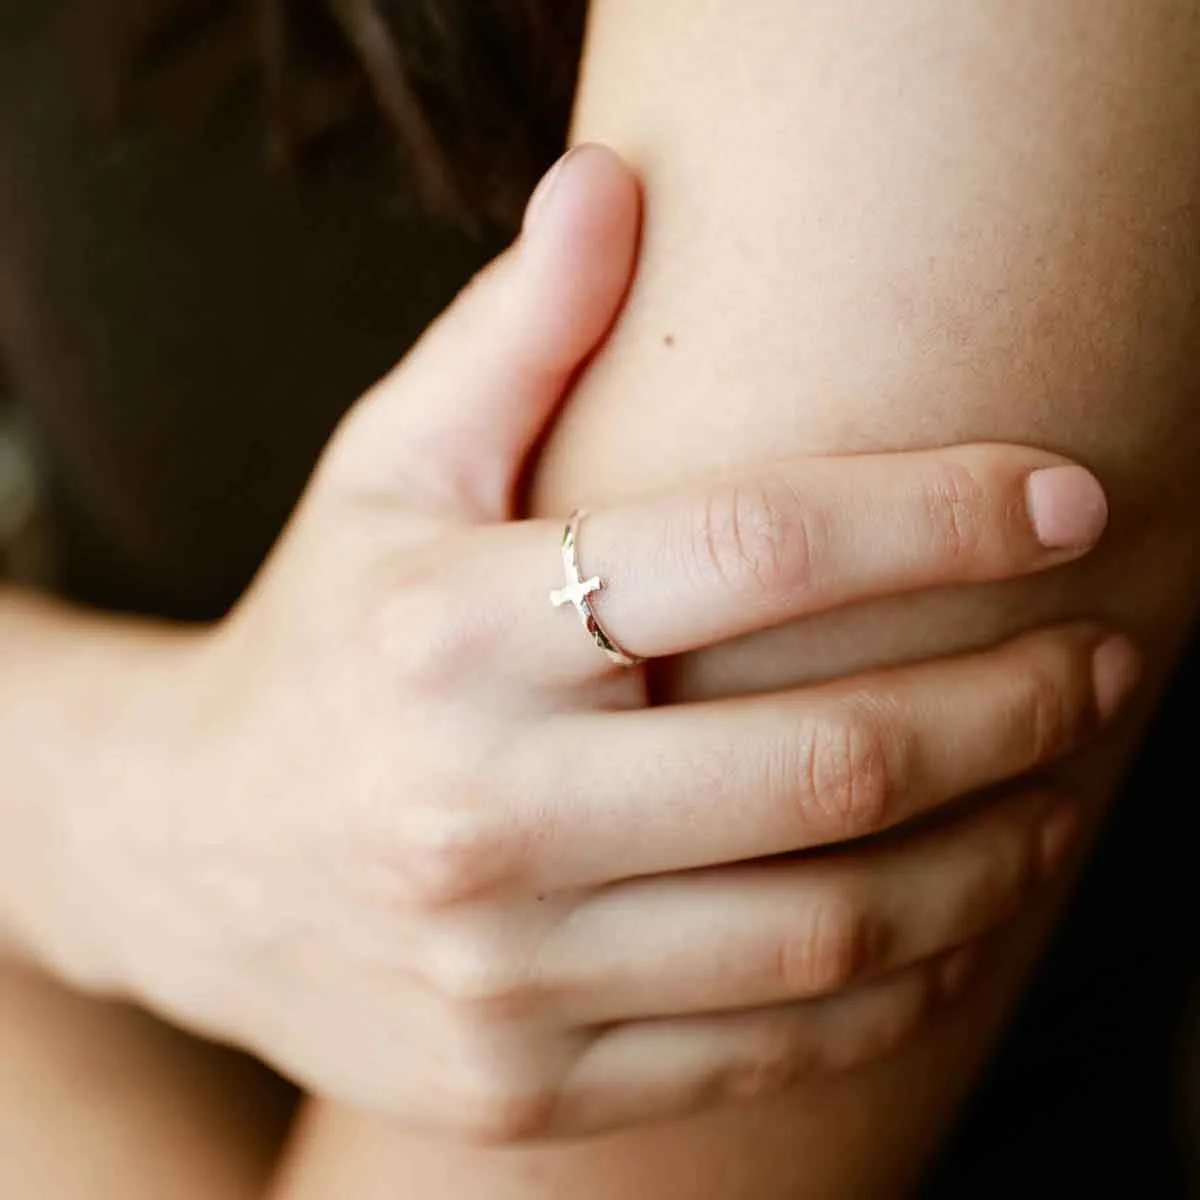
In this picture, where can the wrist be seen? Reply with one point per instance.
(92, 711)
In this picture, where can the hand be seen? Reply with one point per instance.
(418, 843)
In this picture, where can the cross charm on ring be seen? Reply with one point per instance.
(575, 591)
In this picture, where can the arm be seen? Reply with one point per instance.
(333, 827)
(918, 223)
(99, 1099)
(82, 701)
(869, 226)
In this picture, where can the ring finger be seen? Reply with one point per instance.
(788, 929)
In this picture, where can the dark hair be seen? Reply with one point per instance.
(477, 92)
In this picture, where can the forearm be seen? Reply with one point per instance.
(81, 716)
(99, 1099)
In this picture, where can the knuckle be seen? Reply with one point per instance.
(430, 634)
(449, 473)
(852, 764)
(992, 892)
(996, 891)
(1007, 883)
(956, 507)
(1008, 876)
(1047, 716)
(481, 980)
(885, 1030)
(443, 859)
(883, 1026)
(771, 1062)
(401, 604)
(427, 834)
(832, 951)
(496, 1088)
(492, 1111)
(755, 539)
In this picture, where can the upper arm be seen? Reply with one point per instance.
(873, 225)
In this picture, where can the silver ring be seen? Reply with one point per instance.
(576, 592)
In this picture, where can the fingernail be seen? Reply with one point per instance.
(955, 971)
(1057, 836)
(1116, 671)
(541, 193)
(1066, 506)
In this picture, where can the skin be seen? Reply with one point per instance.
(712, 1153)
(404, 983)
(101, 1099)
(889, 226)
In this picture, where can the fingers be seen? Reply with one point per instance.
(450, 427)
(648, 1070)
(693, 785)
(677, 572)
(771, 932)
(686, 570)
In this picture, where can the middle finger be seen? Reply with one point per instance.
(695, 785)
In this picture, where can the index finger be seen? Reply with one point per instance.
(688, 569)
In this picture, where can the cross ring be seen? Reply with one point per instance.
(577, 593)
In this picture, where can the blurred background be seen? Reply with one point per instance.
(25, 543)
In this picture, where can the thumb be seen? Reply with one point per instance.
(449, 429)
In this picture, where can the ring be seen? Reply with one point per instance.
(576, 592)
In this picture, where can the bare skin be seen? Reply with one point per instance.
(888, 226)
(1120, 435)
(103, 1100)
(153, 859)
